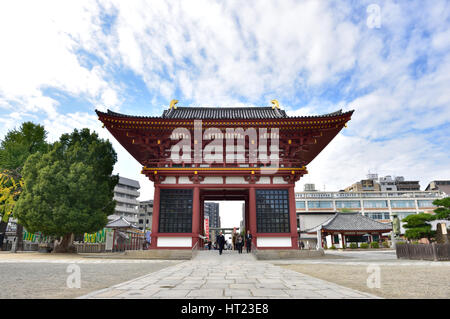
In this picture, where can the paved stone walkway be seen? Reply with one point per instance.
(229, 276)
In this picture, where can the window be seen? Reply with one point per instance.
(348, 204)
(336, 239)
(175, 211)
(402, 215)
(375, 204)
(300, 204)
(425, 203)
(320, 204)
(355, 239)
(402, 204)
(378, 215)
(272, 211)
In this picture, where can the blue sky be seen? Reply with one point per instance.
(59, 61)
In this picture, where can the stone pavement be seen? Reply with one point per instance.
(229, 276)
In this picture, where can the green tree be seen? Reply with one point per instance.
(443, 210)
(15, 148)
(19, 144)
(417, 227)
(69, 189)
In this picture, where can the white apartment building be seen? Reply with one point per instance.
(126, 193)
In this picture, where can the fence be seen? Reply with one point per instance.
(90, 247)
(127, 241)
(423, 251)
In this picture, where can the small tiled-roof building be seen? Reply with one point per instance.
(344, 228)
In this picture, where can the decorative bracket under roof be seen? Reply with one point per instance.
(275, 104)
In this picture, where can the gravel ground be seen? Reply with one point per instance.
(396, 281)
(48, 280)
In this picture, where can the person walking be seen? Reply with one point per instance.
(248, 241)
(239, 243)
(220, 242)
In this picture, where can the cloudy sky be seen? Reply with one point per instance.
(387, 60)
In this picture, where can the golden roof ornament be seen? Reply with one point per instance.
(275, 104)
(172, 104)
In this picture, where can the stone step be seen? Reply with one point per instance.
(177, 254)
(272, 254)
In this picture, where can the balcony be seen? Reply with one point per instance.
(119, 189)
(125, 200)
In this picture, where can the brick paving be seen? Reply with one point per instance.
(230, 276)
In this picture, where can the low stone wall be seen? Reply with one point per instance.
(273, 254)
(175, 254)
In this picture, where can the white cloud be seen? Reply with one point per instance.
(308, 55)
(40, 43)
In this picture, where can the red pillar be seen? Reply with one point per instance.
(202, 221)
(293, 217)
(155, 218)
(246, 214)
(252, 213)
(196, 214)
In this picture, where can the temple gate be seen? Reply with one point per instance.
(253, 154)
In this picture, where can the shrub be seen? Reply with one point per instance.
(374, 244)
(353, 245)
(333, 247)
(364, 245)
(386, 244)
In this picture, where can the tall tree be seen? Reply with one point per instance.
(15, 148)
(69, 189)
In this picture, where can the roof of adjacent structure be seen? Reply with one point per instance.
(120, 222)
(351, 222)
(201, 113)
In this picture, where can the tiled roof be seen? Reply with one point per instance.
(119, 223)
(224, 113)
(240, 113)
(351, 221)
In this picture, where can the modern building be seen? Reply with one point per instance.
(212, 213)
(126, 193)
(242, 222)
(387, 183)
(442, 186)
(145, 215)
(315, 207)
(369, 184)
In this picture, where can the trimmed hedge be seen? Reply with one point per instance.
(386, 244)
(353, 245)
(374, 244)
(364, 245)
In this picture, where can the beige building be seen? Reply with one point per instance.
(315, 207)
(387, 183)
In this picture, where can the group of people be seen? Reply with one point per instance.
(238, 242)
